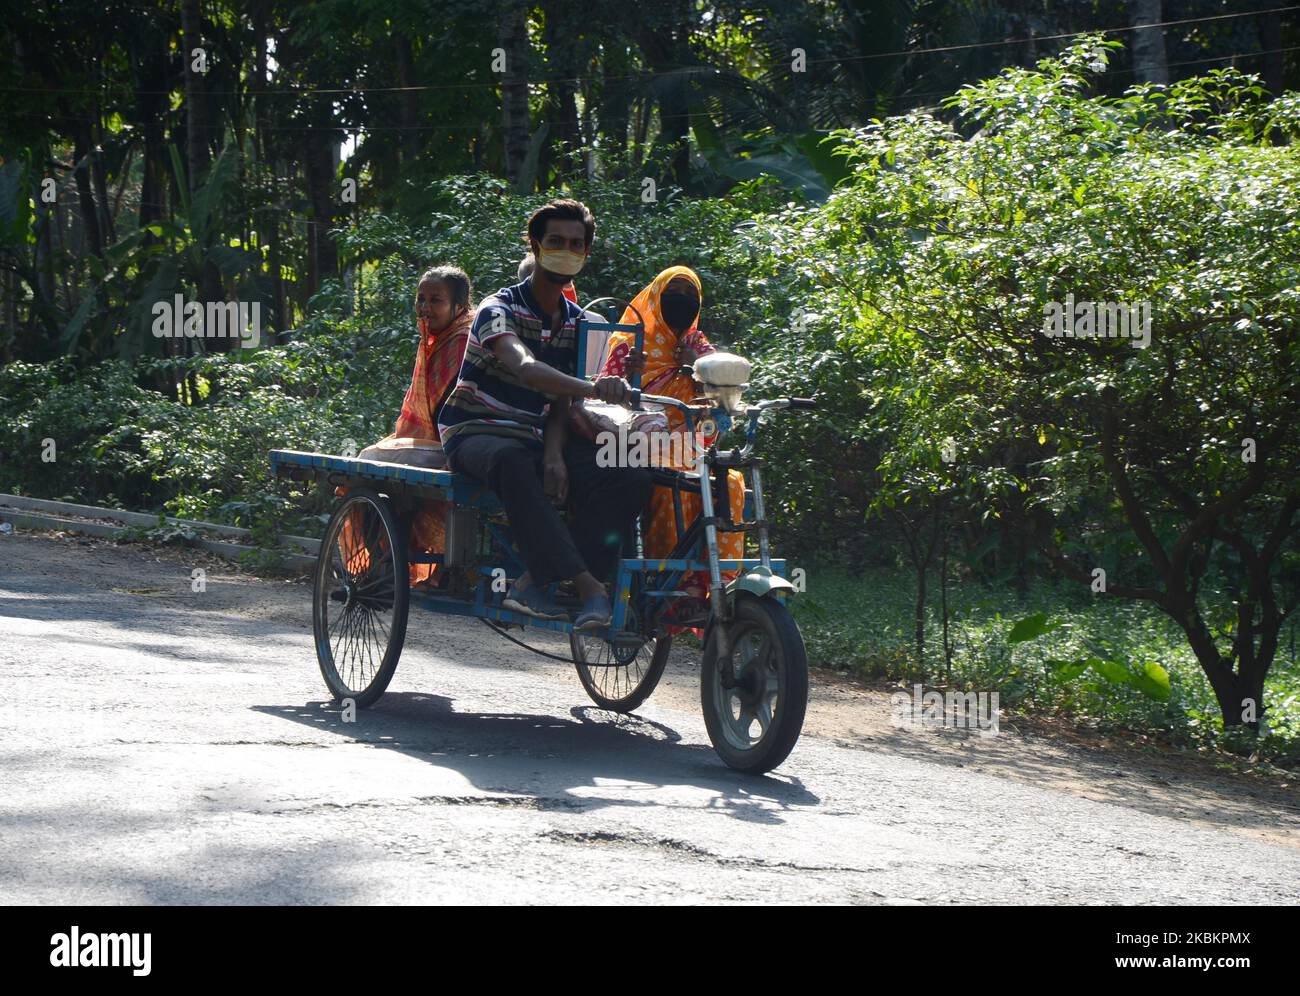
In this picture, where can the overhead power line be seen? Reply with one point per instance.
(477, 125)
(336, 91)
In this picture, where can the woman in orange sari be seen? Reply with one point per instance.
(444, 315)
(670, 308)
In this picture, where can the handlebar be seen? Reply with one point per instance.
(794, 404)
(655, 399)
(752, 412)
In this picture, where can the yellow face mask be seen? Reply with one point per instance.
(562, 261)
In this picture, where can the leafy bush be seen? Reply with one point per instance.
(1172, 466)
(911, 305)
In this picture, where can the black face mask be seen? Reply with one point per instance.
(679, 309)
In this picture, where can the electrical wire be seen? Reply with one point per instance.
(361, 130)
(313, 91)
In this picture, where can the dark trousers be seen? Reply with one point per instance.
(603, 503)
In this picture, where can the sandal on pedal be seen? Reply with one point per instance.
(596, 613)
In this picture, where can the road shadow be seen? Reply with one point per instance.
(561, 762)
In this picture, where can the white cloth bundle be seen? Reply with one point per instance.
(723, 377)
(722, 370)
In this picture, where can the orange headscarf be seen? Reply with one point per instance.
(661, 375)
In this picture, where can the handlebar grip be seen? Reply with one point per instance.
(802, 404)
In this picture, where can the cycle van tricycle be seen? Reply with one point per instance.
(754, 671)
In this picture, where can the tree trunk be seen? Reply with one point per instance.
(666, 51)
(153, 182)
(268, 220)
(43, 287)
(512, 37)
(198, 156)
(321, 149)
(615, 107)
(920, 616)
(1240, 693)
(196, 121)
(41, 281)
(1240, 698)
(81, 152)
(558, 37)
(586, 134)
(410, 108)
(920, 555)
(943, 602)
(100, 183)
(259, 81)
(1149, 63)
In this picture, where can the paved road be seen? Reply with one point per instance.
(164, 746)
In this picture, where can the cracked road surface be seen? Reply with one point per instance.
(165, 746)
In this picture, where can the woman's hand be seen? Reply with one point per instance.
(634, 363)
(685, 355)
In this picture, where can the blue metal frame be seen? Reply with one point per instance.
(448, 486)
(445, 485)
(585, 324)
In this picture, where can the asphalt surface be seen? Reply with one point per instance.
(164, 746)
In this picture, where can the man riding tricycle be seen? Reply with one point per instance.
(646, 551)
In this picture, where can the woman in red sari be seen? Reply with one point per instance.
(444, 315)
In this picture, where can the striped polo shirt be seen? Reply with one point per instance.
(488, 398)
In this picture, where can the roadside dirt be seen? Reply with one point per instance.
(1209, 789)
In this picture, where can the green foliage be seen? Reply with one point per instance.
(164, 532)
(930, 274)
(1106, 664)
(910, 303)
(1029, 628)
(343, 374)
(477, 223)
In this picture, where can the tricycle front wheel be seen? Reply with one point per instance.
(755, 720)
(619, 674)
(360, 599)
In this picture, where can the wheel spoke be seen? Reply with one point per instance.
(745, 720)
(357, 627)
(372, 638)
(345, 636)
(345, 633)
(763, 712)
(613, 672)
(747, 711)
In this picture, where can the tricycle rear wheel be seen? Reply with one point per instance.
(755, 723)
(361, 598)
